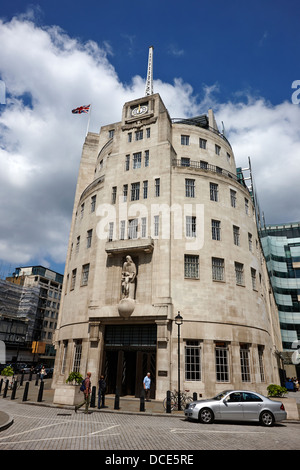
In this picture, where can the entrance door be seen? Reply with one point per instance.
(146, 362)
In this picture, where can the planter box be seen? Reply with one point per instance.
(67, 395)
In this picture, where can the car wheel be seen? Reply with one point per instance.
(206, 416)
(266, 418)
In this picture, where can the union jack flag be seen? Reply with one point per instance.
(81, 109)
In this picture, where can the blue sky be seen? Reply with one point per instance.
(237, 57)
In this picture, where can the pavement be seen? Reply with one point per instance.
(128, 405)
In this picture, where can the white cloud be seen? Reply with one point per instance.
(47, 74)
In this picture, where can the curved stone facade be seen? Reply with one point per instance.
(162, 224)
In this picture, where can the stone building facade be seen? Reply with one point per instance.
(161, 224)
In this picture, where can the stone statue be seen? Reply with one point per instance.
(128, 278)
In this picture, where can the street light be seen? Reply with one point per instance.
(179, 321)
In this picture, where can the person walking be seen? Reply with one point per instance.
(43, 373)
(147, 384)
(101, 392)
(86, 394)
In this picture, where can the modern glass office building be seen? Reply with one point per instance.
(281, 246)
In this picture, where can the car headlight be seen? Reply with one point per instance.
(192, 406)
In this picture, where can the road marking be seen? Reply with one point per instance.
(187, 431)
(103, 430)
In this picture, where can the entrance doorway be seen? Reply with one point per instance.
(125, 362)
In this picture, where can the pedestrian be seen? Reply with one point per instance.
(86, 394)
(147, 384)
(101, 392)
(43, 373)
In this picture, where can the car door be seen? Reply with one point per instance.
(252, 406)
(231, 407)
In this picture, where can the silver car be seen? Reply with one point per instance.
(237, 405)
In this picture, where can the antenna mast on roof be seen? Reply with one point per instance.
(149, 81)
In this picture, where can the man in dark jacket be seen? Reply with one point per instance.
(101, 392)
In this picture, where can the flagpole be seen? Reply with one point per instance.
(88, 124)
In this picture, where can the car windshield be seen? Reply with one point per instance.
(221, 395)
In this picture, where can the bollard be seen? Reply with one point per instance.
(22, 378)
(195, 396)
(168, 402)
(1, 383)
(37, 379)
(30, 376)
(41, 389)
(117, 400)
(142, 400)
(5, 388)
(25, 394)
(93, 397)
(13, 394)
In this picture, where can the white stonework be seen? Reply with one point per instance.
(167, 195)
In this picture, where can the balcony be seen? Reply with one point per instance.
(131, 245)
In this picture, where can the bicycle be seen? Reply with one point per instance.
(184, 400)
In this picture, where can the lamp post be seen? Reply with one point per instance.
(179, 321)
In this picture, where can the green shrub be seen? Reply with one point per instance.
(8, 371)
(276, 390)
(74, 377)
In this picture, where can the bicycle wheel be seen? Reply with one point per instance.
(173, 402)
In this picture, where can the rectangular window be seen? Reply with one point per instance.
(135, 191)
(261, 363)
(192, 360)
(144, 227)
(191, 266)
(246, 206)
(185, 140)
(125, 192)
(245, 362)
(77, 356)
(129, 136)
(82, 211)
(189, 188)
(250, 241)
(156, 225)
(139, 135)
(127, 162)
(148, 132)
(233, 198)
(73, 279)
(190, 224)
(146, 158)
(185, 161)
(89, 238)
(93, 203)
(157, 187)
(111, 133)
(236, 235)
(202, 143)
(253, 278)
(114, 195)
(239, 273)
(222, 363)
(145, 189)
(213, 192)
(137, 160)
(218, 269)
(110, 231)
(216, 229)
(203, 165)
(85, 274)
(77, 244)
(64, 357)
(133, 228)
(217, 149)
(122, 229)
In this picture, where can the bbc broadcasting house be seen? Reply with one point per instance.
(162, 224)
